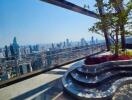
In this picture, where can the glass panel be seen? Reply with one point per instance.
(35, 35)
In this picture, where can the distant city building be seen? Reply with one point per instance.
(0, 50)
(83, 42)
(17, 60)
(53, 46)
(64, 44)
(6, 52)
(48, 57)
(36, 48)
(12, 51)
(2, 58)
(12, 68)
(31, 49)
(129, 42)
(23, 51)
(15, 47)
(92, 41)
(25, 67)
(67, 43)
(27, 50)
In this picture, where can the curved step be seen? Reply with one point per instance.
(95, 82)
(101, 88)
(98, 72)
(86, 93)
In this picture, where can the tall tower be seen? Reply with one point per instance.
(15, 47)
(6, 51)
(14, 40)
(92, 40)
(67, 43)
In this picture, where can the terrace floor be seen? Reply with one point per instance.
(46, 86)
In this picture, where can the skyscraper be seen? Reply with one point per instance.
(12, 50)
(67, 43)
(6, 52)
(83, 42)
(15, 47)
(31, 50)
(92, 40)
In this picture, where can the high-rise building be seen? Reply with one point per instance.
(92, 41)
(25, 68)
(6, 52)
(12, 50)
(64, 44)
(83, 42)
(52, 46)
(48, 57)
(15, 47)
(36, 47)
(67, 43)
(31, 50)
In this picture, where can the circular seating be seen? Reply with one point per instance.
(98, 81)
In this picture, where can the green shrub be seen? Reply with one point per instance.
(127, 53)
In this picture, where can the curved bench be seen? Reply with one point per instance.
(98, 84)
(83, 71)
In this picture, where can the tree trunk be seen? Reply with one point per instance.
(123, 44)
(116, 42)
(119, 9)
(101, 12)
(107, 40)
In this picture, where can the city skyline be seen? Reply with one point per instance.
(48, 45)
(36, 22)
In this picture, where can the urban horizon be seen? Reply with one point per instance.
(50, 43)
(16, 60)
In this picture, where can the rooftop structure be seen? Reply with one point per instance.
(45, 82)
(73, 7)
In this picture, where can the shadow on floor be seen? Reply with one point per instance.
(51, 90)
(63, 68)
(57, 72)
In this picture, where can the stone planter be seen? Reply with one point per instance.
(98, 81)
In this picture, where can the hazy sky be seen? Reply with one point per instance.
(33, 21)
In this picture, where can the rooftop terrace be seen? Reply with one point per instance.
(48, 86)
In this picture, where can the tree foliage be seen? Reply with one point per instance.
(112, 19)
